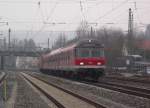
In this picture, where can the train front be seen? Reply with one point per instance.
(89, 59)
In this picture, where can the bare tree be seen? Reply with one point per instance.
(113, 40)
(83, 30)
(25, 44)
(60, 41)
(147, 32)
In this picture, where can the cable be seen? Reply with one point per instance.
(118, 18)
(43, 26)
(37, 11)
(81, 9)
(136, 10)
(52, 10)
(99, 3)
(41, 11)
(77, 23)
(63, 2)
(3, 23)
(108, 13)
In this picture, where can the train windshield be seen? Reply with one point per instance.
(89, 52)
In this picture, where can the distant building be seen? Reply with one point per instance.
(147, 32)
(145, 45)
(26, 62)
(124, 50)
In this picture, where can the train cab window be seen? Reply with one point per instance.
(83, 52)
(97, 52)
(89, 52)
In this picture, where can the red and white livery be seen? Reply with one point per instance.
(84, 59)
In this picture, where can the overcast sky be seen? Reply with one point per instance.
(66, 15)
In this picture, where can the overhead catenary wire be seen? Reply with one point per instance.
(52, 11)
(41, 11)
(63, 23)
(109, 12)
(118, 18)
(98, 3)
(137, 14)
(70, 23)
(81, 9)
(65, 1)
(33, 23)
(59, 23)
(122, 3)
(50, 15)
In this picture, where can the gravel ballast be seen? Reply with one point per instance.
(27, 97)
(100, 95)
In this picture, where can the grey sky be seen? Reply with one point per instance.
(65, 15)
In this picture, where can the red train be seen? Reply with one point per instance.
(84, 59)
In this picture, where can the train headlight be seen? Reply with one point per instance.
(81, 63)
(99, 63)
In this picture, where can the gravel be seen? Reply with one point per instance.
(9, 86)
(101, 95)
(129, 83)
(27, 97)
(1, 97)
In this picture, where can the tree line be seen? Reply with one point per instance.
(18, 45)
(117, 43)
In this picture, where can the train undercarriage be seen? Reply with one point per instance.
(81, 73)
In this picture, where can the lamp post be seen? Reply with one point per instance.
(9, 30)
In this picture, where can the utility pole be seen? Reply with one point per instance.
(48, 43)
(9, 31)
(2, 62)
(130, 32)
(91, 32)
(130, 22)
(4, 43)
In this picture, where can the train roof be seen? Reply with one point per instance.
(59, 50)
(72, 46)
(63, 49)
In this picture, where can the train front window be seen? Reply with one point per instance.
(89, 52)
(97, 52)
(83, 52)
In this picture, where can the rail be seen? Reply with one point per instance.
(141, 92)
(2, 77)
(97, 105)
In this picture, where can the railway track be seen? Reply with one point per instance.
(2, 77)
(137, 80)
(131, 90)
(78, 102)
(136, 91)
